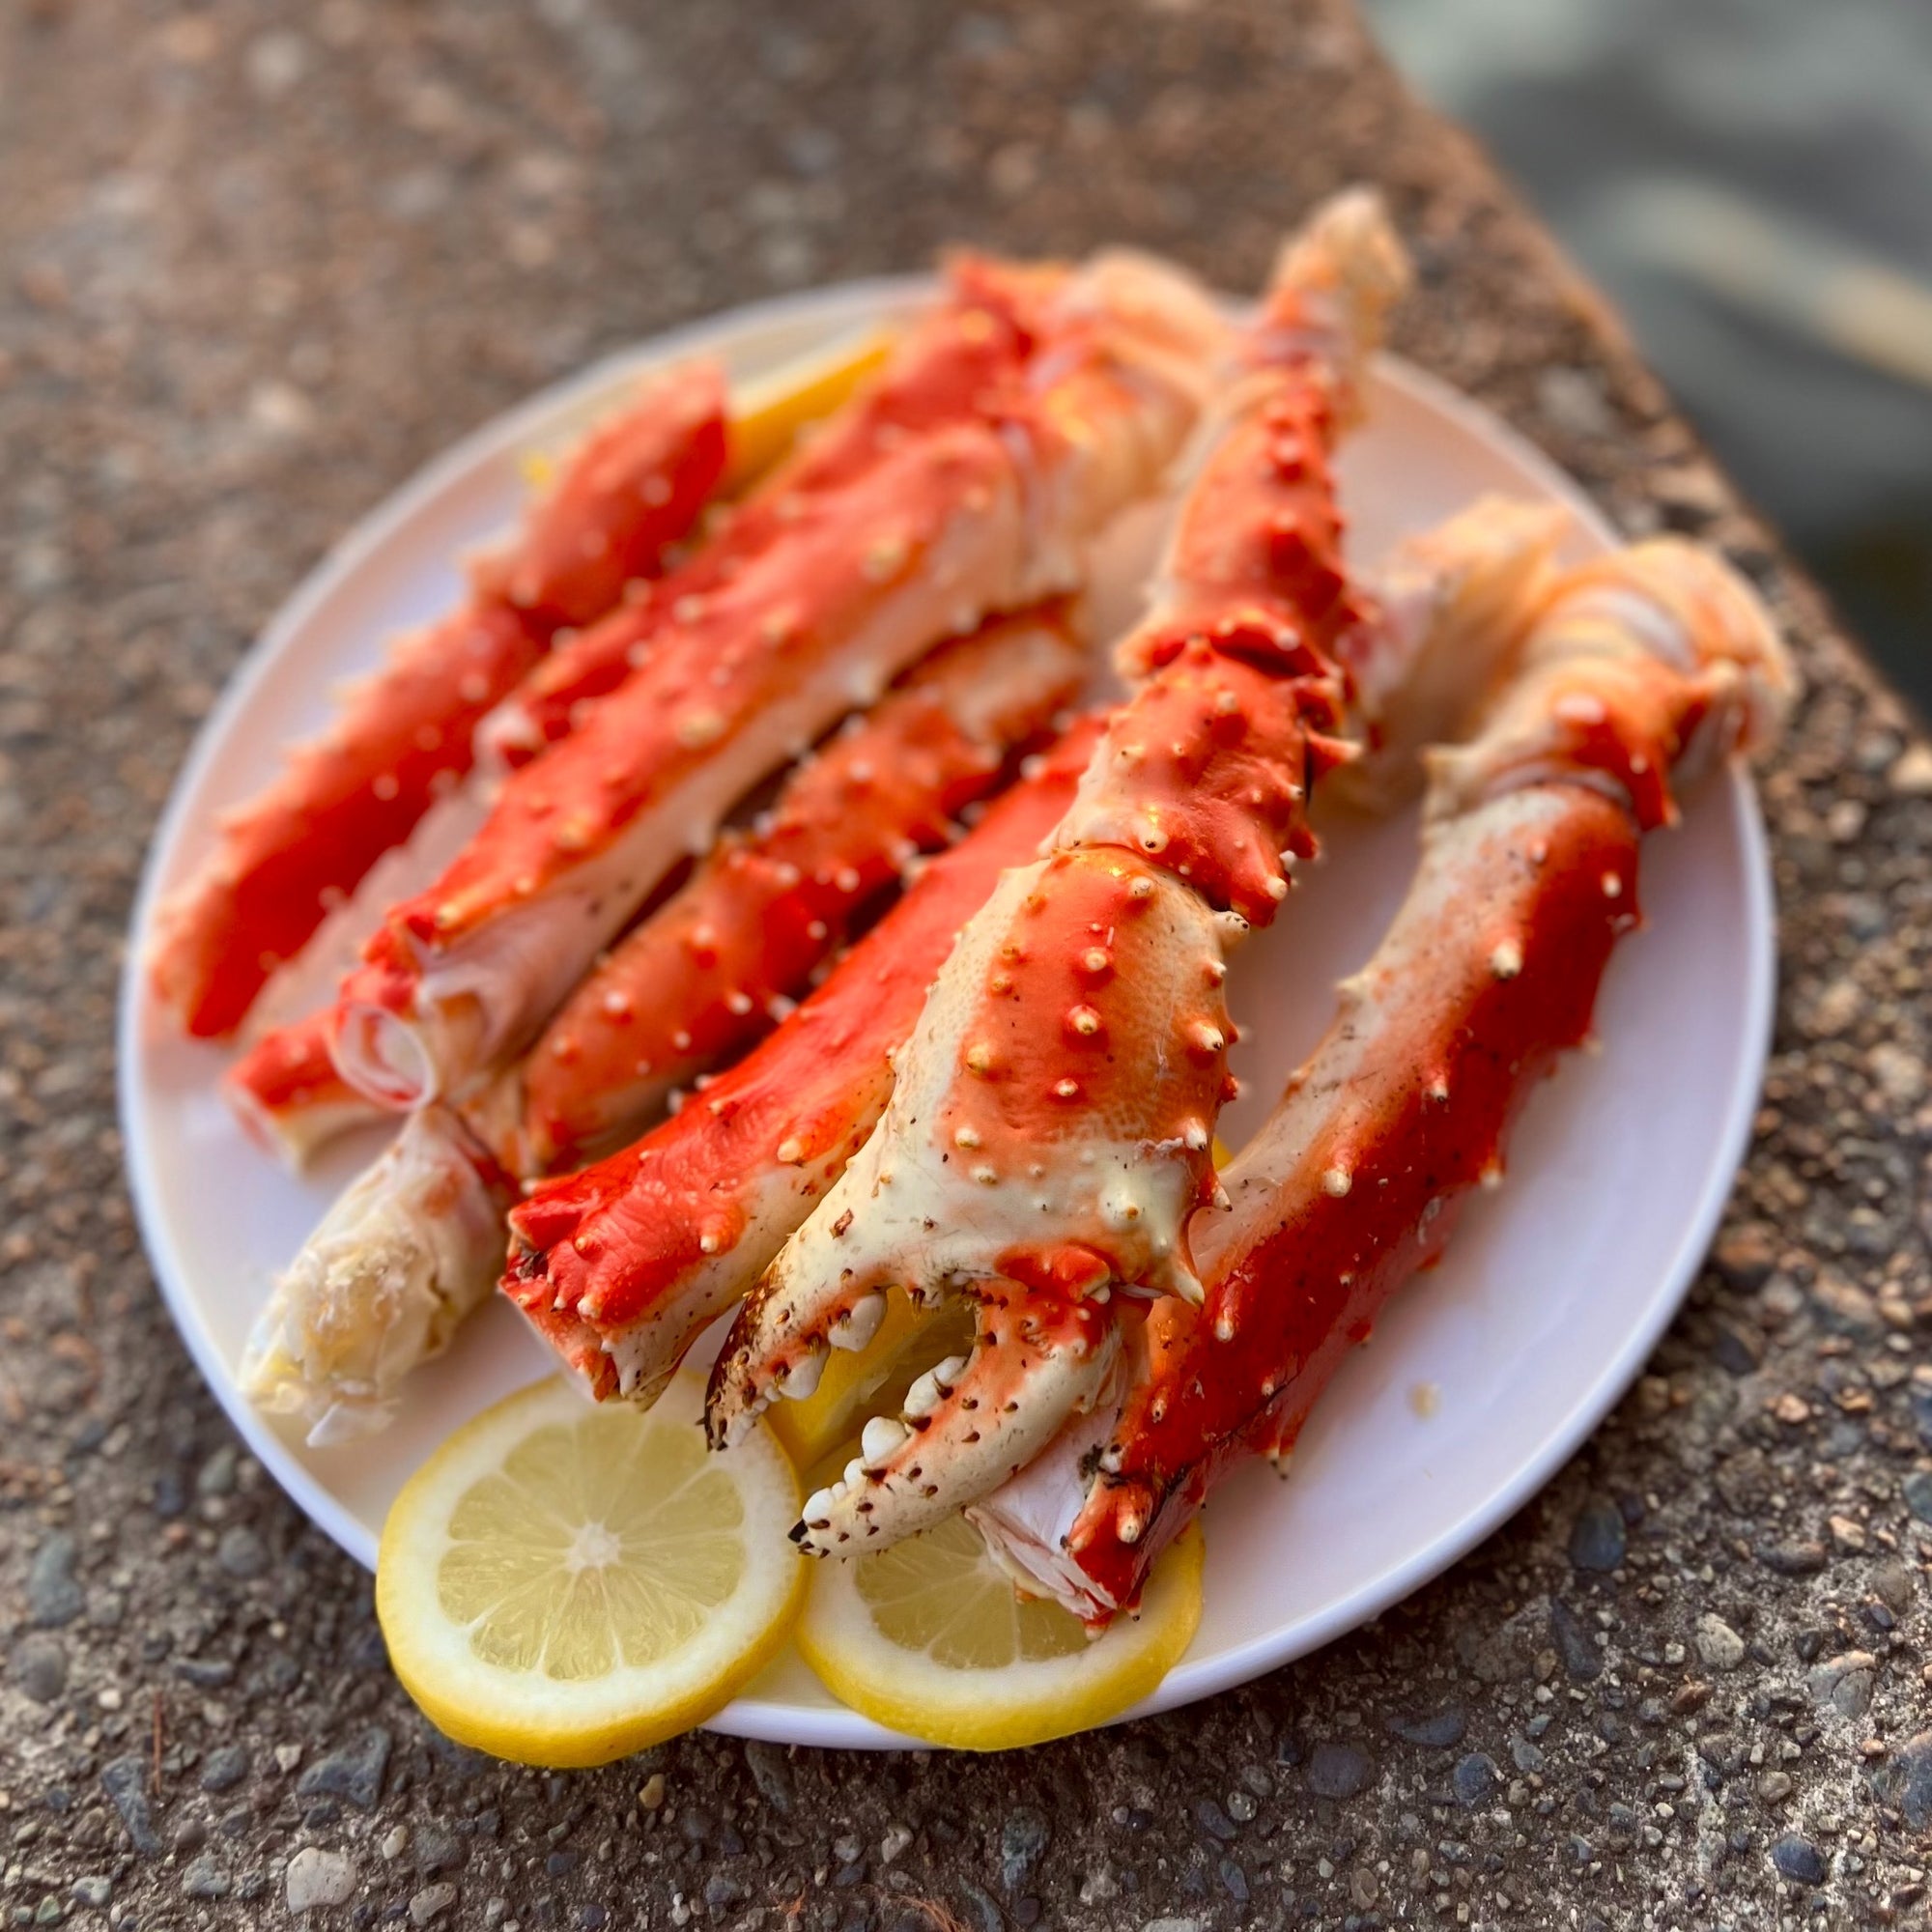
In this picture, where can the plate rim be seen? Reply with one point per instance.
(766, 1719)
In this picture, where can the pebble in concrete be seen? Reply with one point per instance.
(317, 1877)
(1597, 1537)
(1717, 1643)
(54, 1596)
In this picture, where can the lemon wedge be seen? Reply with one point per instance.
(563, 1584)
(929, 1637)
(766, 415)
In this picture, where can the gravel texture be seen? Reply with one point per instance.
(257, 262)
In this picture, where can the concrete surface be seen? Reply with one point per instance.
(257, 261)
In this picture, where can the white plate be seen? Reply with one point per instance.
(1552, 1294)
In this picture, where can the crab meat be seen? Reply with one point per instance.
(708, 972)
(622, 1267)
(1640, 671)
(383, 1284)
(404, 733)
(972, 517)
(1050, 1130)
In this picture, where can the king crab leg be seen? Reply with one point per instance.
(286, 1088)
(701, 978)
(1643, 671)
(881, 790)
(973, 517)
(622, 1267)
(405, 734)
(1049, 1130)
(974, 346)
(1461, 590)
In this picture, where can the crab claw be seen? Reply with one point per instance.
(970, 1422)
(1006, 1159)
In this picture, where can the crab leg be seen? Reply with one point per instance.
(406, 1253)
(1448, 610)
(1457, 590)
(935, 744)
(972, 517)
(622, 1267)
(973, 346)
(701, 978)
(286, 1087)
(642, 1265)
(1050, 1126)
(1643, 671)
(404, 733)
(733, 946)
(289, 1094)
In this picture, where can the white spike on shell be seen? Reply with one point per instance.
(803, 1376)
(854, 1328)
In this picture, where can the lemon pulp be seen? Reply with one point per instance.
(563, 1584)
(585, 1551)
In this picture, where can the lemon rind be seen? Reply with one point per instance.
(961, 1710)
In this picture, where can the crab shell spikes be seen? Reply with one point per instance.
(1041, 1140)
(923, 1209)
(968, 1425)
(794, 1110)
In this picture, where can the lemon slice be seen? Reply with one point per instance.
(766, 415)
(563, 1584)
(931, 1639)
(873, 1380)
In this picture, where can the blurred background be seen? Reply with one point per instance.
(1752, 182)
